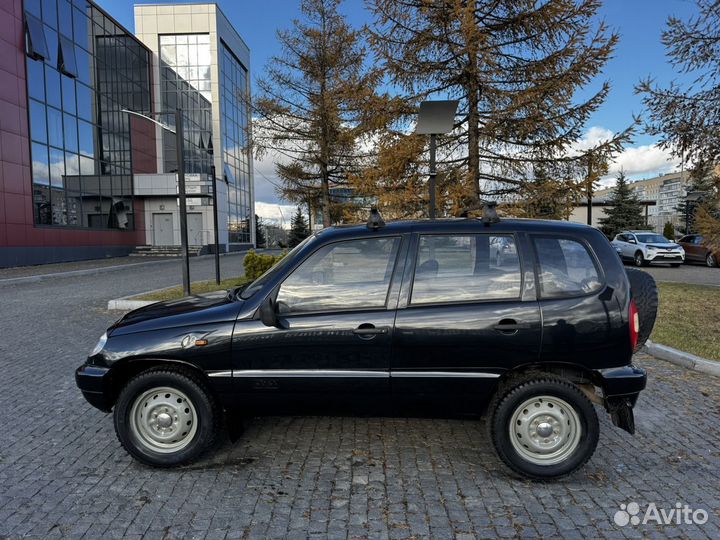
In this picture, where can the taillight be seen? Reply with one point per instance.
(634, 325)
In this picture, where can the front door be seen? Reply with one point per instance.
(464, 317)
(336, 313)
(163, 230)
(195, 229)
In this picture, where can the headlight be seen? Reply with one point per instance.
(100, 345)
(650, 248)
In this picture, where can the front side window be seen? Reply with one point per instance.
(566, 268)
(466, 268)
(345, 275)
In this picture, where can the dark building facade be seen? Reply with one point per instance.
(68, 150)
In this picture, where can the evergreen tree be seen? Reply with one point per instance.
(686, 117)
(516, 67)
(669, 231)
(260, 240)
(317, 106)
(299, 229)
(625, 211)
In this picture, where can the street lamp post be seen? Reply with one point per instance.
(215, 224)
(435, 118)
(179, 146)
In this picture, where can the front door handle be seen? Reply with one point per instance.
(509, 326)
(369, 331)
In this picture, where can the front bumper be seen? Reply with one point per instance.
(621, 388)
(665, 257)
(94, 383)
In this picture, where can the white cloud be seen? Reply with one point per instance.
(277, 214)
(639, 161)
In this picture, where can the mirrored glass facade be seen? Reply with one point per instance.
(185, 83)
(78, 85)
(234, 124)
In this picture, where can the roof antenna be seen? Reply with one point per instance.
(375, 221)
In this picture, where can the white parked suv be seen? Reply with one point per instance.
(644, 247)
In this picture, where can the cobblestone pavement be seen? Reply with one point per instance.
(64, 475)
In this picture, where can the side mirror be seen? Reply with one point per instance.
(268, 315)
(632, 241)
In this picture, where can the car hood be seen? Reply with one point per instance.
(197, 309)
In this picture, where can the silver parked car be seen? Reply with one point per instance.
(644, 248)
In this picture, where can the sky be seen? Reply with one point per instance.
(639, 54)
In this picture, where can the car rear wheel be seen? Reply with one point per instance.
(543, 427)
(166, 418)
(645, 293)
(710, 260)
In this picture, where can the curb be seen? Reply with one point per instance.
(680, 358)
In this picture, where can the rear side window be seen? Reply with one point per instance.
(565, 268)
(466, 268)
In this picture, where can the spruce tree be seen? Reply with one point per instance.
(299, 229)
(260, 240)
(625, 211)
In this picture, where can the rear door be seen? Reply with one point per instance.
(463, 317)
(582, 322)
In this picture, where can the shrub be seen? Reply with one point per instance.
(256, 264)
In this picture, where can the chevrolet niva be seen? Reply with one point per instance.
(532, 321)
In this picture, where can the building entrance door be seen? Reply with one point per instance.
(163, 230)
(195, 229)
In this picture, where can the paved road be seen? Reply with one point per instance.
(64, 475)
(686, 273)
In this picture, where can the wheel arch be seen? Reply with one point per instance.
(124, 370)
(576, 374)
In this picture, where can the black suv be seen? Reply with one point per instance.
(531, 320)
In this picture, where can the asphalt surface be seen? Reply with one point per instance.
(63, 474)
(686, 273)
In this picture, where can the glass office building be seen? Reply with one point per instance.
(83, 69)
(199, 49)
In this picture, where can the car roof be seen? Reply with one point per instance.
(460, 225)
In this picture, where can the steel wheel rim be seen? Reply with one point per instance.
(545, 430)
(163, 420)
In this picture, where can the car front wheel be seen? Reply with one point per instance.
(543, 427)
(166, 418)
(639, 259)
(710, 260)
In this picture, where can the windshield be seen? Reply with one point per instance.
(259, 283)
(652, 239)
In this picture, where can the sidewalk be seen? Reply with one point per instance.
(95, 266)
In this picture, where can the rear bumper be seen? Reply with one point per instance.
(623, 382)
(621, 389)
(94, 383)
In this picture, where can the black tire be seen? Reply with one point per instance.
(639, 259)
(205, 420)
(710, 260)
(505, 405)
(645, 293)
